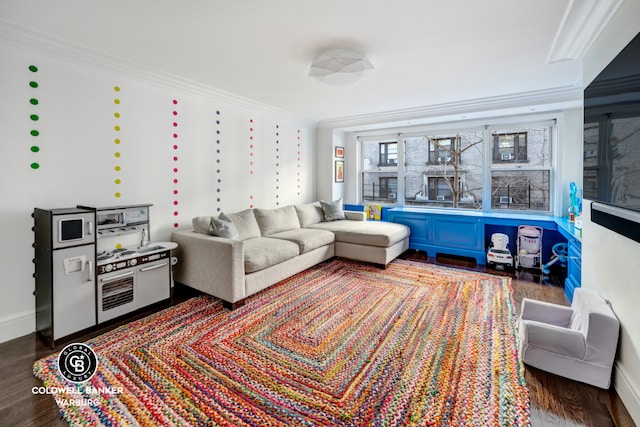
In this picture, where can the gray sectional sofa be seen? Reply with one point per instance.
(265, 246)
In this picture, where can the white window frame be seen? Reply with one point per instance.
(547, 120)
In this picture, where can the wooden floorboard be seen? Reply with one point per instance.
(555, 401)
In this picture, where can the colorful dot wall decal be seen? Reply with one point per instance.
(34, 117)
(250, 157)
(299, 163)
(218, 161)
(277, 168)
(117, 141)
(174, 160)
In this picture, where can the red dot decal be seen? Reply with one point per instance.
(175, 158)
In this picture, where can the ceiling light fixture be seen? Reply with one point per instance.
(340, 66)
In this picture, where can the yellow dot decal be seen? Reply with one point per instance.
(118, 181)
(117, 115)
(117, 154)
(117, 168)
(119, 246)
(116, 101)
(116, 88)
(117, 194)
(116, 128)
(117, 140)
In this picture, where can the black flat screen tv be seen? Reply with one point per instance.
(611, 173)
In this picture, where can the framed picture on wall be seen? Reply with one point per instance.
(340, 152)
(339, 171)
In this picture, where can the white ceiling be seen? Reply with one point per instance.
(425, 52)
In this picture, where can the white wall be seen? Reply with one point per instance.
(265, 157)
(609, 260)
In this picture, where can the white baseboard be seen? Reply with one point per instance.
(628, 394)
(17, 324)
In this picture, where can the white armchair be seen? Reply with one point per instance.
(577, 342)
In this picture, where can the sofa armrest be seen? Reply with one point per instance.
(355, 215)
(542, 311)
(211, 264)
(554, 339)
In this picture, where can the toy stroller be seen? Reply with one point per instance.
(529, 243)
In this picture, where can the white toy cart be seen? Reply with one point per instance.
(529, 244)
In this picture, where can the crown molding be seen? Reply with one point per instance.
(48, 45)
(582, 23)
(519, 103)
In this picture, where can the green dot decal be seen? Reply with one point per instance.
(34, 117)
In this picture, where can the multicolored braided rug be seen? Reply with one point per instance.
(341, 344)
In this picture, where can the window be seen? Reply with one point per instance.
(388, 153)
(388, 187)
(489, 167)
(440, 188)
(444, 169)
(442, 150)
(516, 186)
(510, 147)
(379, 170)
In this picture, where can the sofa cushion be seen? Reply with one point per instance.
(307, 239)
(310, 213)
(264, 252)
(224, 227)
(370, 233)
(333, 211)
(273, 221)
(202, 224)
(245, 222)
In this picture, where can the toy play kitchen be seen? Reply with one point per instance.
(93, 265)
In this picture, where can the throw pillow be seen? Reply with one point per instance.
(224, 227)
(333, 211)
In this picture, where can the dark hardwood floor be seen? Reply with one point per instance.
(555, 401)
